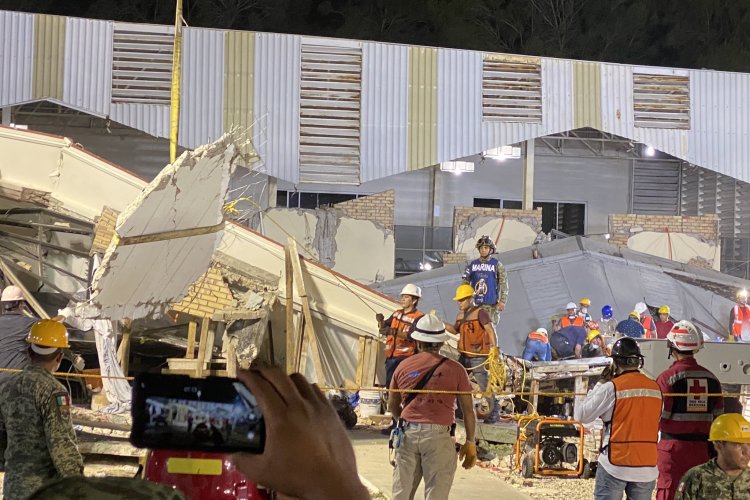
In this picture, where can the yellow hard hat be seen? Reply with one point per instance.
(585, 301)
(463, 291)
(664, 310)
(636, 314)
(731, 427)
(592, 335)
(48, 333)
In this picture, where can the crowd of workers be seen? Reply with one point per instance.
(654, 433)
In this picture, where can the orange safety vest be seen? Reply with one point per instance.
(537, 336)
(396, 346)
(634, 428)
(565, 322)
(473, 339)
(648, 328)
(739, 317)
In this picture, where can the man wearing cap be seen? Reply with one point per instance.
(631, 327)
(37, 442)
(685, 420)
(537, 346)
(571, 318)
(739, 318)
(425, 447)
(14, 327)
(397, 330)
(727, 476)
(583, 311)
(595, 345)
(663, 324)
(608, 323)
(476, 338)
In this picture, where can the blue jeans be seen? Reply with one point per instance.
(610, 488)
(536, 351)
(481, 376)
(390, 367)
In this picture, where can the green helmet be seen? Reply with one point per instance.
(486, 241)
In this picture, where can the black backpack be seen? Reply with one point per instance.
(562, 346)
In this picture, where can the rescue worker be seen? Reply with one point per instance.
(397, 329)
(476, 337)
(94, 488)
(663, 324)
(595, 345)
(727, 476)
(607, 323)
(14, 327)
(685, 421)
(630, 327)
(37, 442)
(571, 318)
(739, 318)
(537, 346)
(629, 404)
(647, 322)
(583, 311)
(487, 277)
(426, 448)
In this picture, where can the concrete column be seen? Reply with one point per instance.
(5, 119)
(528, 175)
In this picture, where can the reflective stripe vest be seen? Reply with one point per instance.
(538, 337)
(395, 346)
(648, 328)
(739, 317)
(634, 428)
(566, 322)
(473, 339)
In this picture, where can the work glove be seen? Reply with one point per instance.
(468, 454)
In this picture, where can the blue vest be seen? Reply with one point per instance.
(482, 276)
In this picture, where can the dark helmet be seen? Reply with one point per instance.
(486, 241)
(627, 352)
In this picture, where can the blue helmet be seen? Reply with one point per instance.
(607, 312)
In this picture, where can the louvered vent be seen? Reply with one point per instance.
(661, 101)
(511, 91)
(330, 103)
(142, 64)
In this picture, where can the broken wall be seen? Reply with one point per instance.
(689, 239)
(509, 228)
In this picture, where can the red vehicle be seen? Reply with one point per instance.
(201, 475)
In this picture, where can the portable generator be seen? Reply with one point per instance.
(549, 447)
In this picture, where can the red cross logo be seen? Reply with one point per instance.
(697, 388)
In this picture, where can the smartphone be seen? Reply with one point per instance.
(214, 414)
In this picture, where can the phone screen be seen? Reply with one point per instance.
(211, 414)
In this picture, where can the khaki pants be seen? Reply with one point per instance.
(426, 450)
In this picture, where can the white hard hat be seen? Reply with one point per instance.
(684, 336)
(543, 331)
(571, 305)
(412, 290)
(429, 328)
(640, 308)
(12, 293)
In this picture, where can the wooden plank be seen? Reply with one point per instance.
(202, 341)
(231, 359)
(360, 360)
(309, 330)
(11, 276)
(192, 330)
(371, 361)
(124, 353)
(291, 342)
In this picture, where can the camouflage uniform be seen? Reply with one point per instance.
(709, 481)
(105, 488)
(37, 441)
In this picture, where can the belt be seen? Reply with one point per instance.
(419, 425)
(685, 437)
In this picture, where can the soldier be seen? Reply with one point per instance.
(486, 275)
(37, 442)
(727, 476)
(95, 488)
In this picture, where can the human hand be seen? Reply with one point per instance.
(468, 454)
(307, 452)
(501, 306)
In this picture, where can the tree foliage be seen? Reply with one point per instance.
(687, 33)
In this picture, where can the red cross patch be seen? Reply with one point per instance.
(699, 402)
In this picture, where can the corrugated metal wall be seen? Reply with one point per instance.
(421, 146)
(202, 91)
(149, 118)
(239, 80)
(16, 57)
(459, 103)
(49, 57)
(276, 103)
(587, 95)
(88, 65)
(385, 81)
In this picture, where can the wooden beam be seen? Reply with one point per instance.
(360, 361)
(125, 350)
(202, 342)
(291, 354)
(11, 276)
(192, 330)
(309, 330)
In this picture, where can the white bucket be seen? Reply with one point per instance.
(369, 403)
